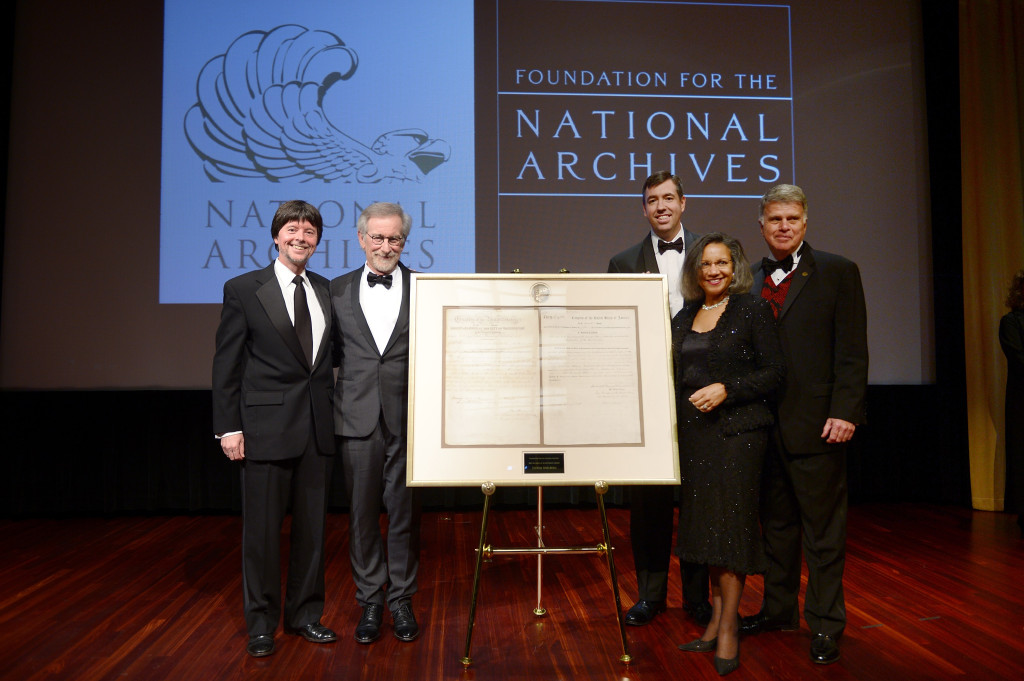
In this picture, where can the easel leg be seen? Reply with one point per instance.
(488, 489)
(540, 610)
(602, 487)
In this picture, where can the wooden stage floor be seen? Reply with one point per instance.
(932, 593)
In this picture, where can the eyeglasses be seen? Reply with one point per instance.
(720, 264)
(378, 240)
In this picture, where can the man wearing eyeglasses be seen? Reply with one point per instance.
(651, 506)
(371, 336)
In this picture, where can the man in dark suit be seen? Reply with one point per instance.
(371, 335)
(272, 374)
(818, 300)
(651, 506)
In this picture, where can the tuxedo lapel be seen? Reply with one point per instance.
(647, 257)
(402, 325)
(689, 238)
(357, 310)
(757, 271)
(272, 300)
(323, 296)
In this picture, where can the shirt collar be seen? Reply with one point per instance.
(284, 275)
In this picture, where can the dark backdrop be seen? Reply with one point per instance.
(102, 452)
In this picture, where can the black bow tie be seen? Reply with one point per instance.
(676, 245)
(769, 265)
(383, 279)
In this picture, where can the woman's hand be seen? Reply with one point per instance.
(708, 397)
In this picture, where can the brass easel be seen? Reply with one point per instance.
(605, 548)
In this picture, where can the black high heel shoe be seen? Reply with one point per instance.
(699, 646)
(724, 666)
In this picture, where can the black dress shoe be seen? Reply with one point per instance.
(753, 624)
(699, 645)
(824, 649)
(368, 629)
(700, 612)
(260, 646)
(406, 628)
(643, 612)
(315, 633)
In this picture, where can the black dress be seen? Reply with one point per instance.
(1011, 338)
(722, 452)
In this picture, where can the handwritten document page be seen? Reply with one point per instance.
(491, 378)
(590, 376)
(541, 376)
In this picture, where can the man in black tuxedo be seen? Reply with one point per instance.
(818, 301)
(272, 374)
(371, 336)
(651, 506)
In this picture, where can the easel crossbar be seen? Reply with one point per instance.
(563, 550)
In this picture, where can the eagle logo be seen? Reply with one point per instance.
(260, 114)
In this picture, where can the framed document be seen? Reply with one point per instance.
(524, 380)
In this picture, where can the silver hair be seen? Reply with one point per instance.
(783, 193)
(383, 209)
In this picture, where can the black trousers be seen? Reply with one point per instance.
(374, 468)
(804, 502)
(650, 533)
(268, 489)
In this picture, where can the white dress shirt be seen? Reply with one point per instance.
(381, 306)
(285, 278)
(670, 263)
(779, 275)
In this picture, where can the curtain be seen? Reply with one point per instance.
(992, 153)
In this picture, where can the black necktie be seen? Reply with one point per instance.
(676, 245)
(303, 323)
(769, 265)
(383, 279)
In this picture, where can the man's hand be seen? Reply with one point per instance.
(233, 446)
(838, 430)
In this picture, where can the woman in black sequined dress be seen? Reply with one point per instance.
(728, 363)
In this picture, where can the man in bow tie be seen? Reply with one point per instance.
(651, 506)
(371, 341)
(272, 374)
(818, 301)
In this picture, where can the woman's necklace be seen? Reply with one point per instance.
(721, 302)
